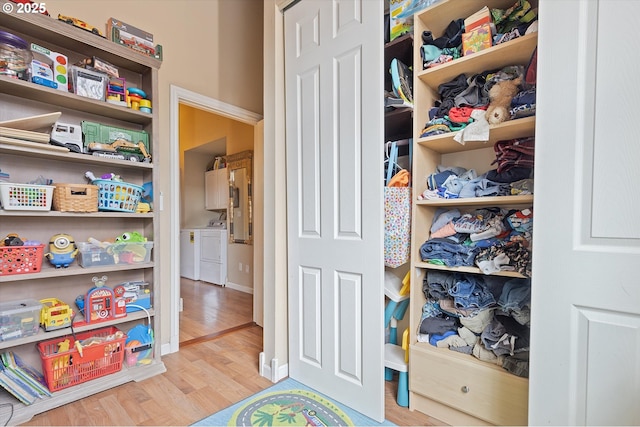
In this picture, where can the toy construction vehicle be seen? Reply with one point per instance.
(121, 149)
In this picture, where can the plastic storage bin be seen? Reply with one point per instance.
(132, 253)
(15, 56)
(102, 354)
(90, 255)
(117, 196)
(20, 259)
(26, 197)
(19, 318)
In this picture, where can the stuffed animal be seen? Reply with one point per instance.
(500, 96)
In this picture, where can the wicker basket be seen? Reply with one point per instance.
(75, 198)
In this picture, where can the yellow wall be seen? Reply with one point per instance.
(211, 47)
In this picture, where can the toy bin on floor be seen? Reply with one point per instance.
(20, 259)
(19, 318)
(26, 197)
(64, 366)
(117, 196)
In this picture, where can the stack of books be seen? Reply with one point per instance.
(24, 382)
(478, 33)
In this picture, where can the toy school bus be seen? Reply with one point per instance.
(55, 314)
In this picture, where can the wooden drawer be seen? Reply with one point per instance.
(480, 389)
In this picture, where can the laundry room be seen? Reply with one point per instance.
(216, 158)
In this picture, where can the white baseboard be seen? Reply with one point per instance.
(240, 288)
(167, 349)
(272, 371)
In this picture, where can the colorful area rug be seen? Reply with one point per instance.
(288, 403)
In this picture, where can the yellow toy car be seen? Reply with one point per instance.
(80, 24)
(55, 314)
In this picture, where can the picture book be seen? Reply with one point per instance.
(28, 373)
(399, 26)
(481, 17)
(477, 40)
(14, 387)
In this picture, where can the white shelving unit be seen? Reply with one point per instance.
(23, 99)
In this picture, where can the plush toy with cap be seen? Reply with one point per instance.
(500, 96)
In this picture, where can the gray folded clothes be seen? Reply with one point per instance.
(437, 325)
(502, 340)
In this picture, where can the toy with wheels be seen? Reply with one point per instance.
(80, 24)
(55, 314)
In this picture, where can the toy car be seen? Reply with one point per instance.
(55, 314)
(80, 24)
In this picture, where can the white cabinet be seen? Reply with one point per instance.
(213, 256)
(216, 189)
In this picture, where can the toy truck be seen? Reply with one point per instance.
(67, 135)
(116, 143)
(121, 149)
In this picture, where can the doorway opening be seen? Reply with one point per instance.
(199, 296)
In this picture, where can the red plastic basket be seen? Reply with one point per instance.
(20, 259)
(68, 368)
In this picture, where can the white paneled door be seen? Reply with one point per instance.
(585, 320)
(334, 131)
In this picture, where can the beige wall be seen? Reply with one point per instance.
(211, 47)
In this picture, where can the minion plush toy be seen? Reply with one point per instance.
(62, 250)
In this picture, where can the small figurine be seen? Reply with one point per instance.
(62, 250)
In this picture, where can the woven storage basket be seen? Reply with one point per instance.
(75, 198)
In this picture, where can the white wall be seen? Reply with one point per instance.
(276, 354)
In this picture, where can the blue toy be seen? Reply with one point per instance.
(62, 250)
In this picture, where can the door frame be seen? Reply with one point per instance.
(184, 96)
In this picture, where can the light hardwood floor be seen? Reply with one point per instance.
(210, 372)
